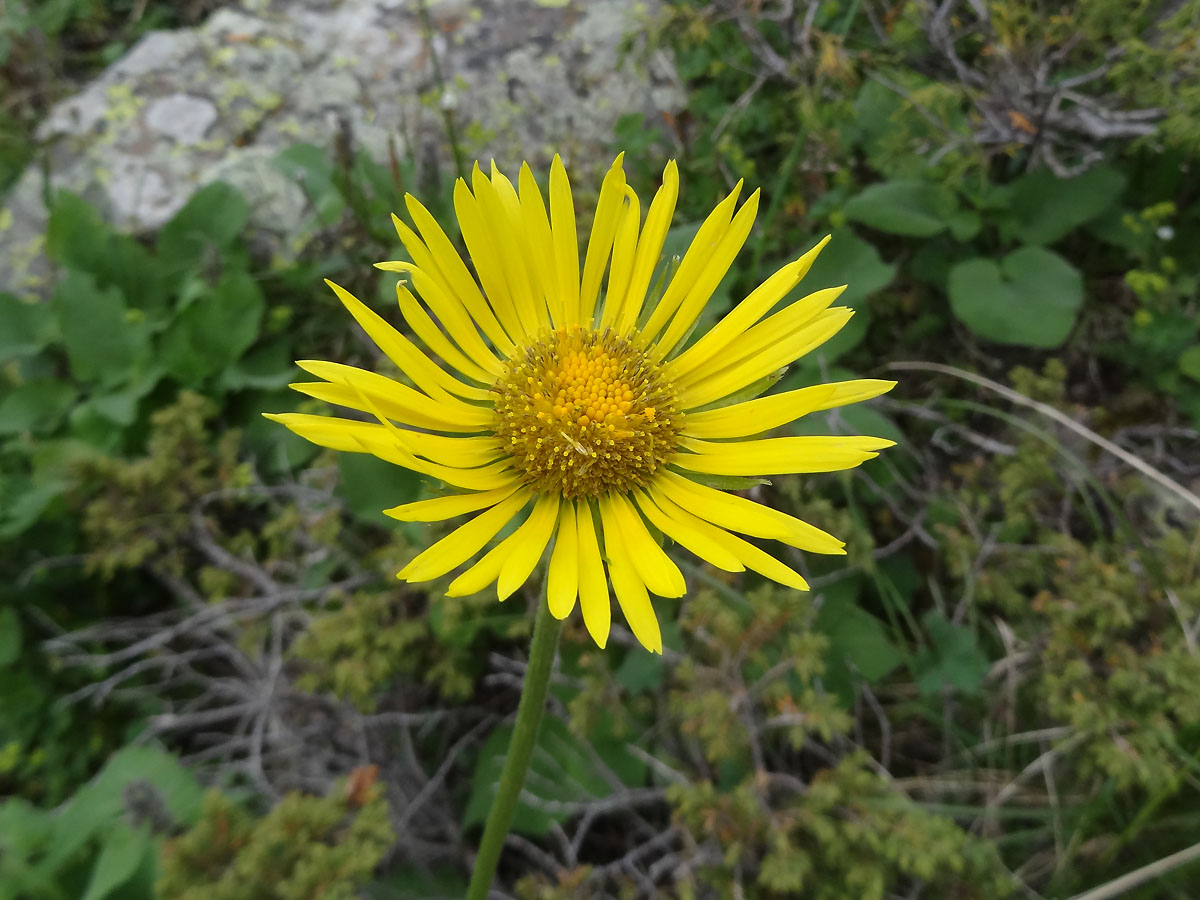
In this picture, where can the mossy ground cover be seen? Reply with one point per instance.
(993, 695)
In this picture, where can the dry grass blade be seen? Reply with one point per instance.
(1066, 421)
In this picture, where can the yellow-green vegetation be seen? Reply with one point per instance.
(993, 694)
(305, 848)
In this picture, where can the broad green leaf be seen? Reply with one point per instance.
(25, 328)
(954, 659)
(1045, 208)
(101, 337)
(24, 828)
(10, 636)
(368, 485)
(858, 641)
(212, 219)
(36, 406)
(80, 239)
(1030, 299)
(101, 804)
(120, 854)
(909, 207)
(215, 329)
(120, 406)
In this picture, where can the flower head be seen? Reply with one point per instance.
(583, 413)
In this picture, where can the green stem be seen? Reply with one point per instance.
(520, 750)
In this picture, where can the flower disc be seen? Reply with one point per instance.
(585, 412)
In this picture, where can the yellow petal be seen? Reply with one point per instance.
(629, 587)
(438, 509)
(688, 531)
(452, 315)
(650, 561)
(566, 243)
(694, 260)
(744, 554)
(757, 304)
(745, 516)
(541, 243)
(786, 349)
(624, 249)
(473, 224)
(714, 271)
(453, 412)
(604, 227)
(593, 586)
(562, 579)
(503, 222)
(765, 413)
(465, 541)
(482, 573)
(649, 248)
(484, 478)
(400, 406)
(767, 335)
(484, 367)
(780, 456)
(409, 359)
(438, 257)
(367, 437)
(768, 566)
(524, 544)
(528, 549)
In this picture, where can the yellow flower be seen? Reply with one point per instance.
(588, 409)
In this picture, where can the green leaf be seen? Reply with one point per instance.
(1189, 362)
(10, 636)
(909, 207)
(23, 504)
(215, 329)
(120, 406)
(312, 167)
(99, 805)
(1030, 299)
(640, 671)
(80, 239)
(369, 485)
(36, 406)
(212, 219)
(858, 641)
(266, 367)
(101, 338)
(1045, 208)
(25, 328)
(120, 854)
(24, 828)
(954, 659)
(854, 419)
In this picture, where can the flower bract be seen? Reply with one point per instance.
(571, 406)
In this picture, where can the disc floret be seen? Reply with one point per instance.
(585, 412)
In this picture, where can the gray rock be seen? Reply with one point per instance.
(525, 78)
